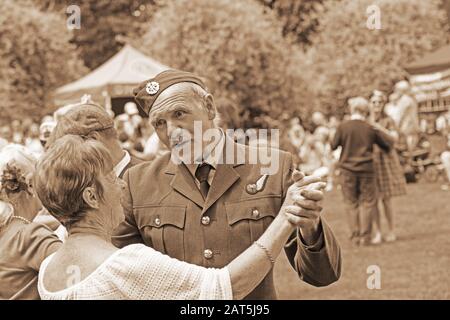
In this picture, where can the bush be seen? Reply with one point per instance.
(238, 49)
(348, 59)
(36, 57)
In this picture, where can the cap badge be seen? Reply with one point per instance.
(152, 88)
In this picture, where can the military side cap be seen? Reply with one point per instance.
(148, 91)
(81, 120)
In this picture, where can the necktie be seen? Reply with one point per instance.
(202, 174)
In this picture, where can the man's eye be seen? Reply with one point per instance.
(179, 114)
(160, 123)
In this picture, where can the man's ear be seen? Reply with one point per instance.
(210, 106)
(90, 196)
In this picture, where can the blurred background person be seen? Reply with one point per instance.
(445, 159)
(391, 108)
(23, 244)
(388, 171)
(5, 135)
(45, 130)
(130, 118)
(318, 120)
(311, 155)
(443, 124)
(17, 132)
(357, 137)
(296, 133)
(409, 120)
(32, 141)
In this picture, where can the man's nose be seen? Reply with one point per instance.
(171, 127)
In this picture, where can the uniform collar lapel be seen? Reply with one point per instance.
(225, 175)
(184, 183)
(224, 178)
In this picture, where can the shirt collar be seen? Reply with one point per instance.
(356, 117)
(122, 163)
(213, 156)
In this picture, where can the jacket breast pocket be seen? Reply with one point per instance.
(248, 218)
(162, 227)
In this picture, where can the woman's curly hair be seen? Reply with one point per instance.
(13, 176)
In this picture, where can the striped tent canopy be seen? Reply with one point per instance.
(430, 80)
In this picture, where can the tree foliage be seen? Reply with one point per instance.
(299, 18)
(36, 57)
(238, 49)
(104, 24)
(346, 58)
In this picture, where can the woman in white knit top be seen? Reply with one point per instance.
(76, 183)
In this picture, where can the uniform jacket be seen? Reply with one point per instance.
(164, 209)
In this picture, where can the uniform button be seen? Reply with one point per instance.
(208, 254)
(157, 221)
(255, 213)
(206, 220)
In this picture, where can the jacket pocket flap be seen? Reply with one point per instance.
(160, 216)
(252, 209)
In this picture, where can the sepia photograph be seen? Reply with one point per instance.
(225, 150)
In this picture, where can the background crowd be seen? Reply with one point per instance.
(278, 64)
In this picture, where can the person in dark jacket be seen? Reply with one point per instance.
(357, 138)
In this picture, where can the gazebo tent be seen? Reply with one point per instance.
(430, 80)
(114, 79)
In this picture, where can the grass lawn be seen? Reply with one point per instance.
(416, 266)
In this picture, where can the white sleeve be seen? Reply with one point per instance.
(143, 273)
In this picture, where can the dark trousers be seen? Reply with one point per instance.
(360, 196)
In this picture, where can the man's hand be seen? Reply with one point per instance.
(306, 194)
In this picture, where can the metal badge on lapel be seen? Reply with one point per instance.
(251, 188)
(254, 188)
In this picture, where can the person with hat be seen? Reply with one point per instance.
(92, 121)
(204, 202)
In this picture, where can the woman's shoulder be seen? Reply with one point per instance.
(136, 257)
(134, 252)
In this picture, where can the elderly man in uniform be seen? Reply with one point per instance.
(205, 209)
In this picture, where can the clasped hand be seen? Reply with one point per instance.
(302, 205)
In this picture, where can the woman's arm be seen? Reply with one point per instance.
(250, 267)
